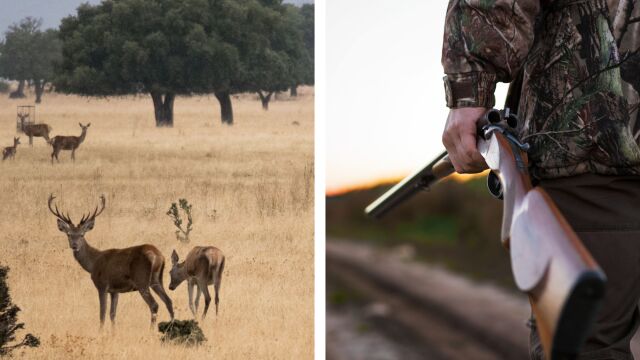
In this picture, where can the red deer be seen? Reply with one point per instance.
(10, 151)
(68, 143)
(34, 130)
(115, 271)
(202, 267)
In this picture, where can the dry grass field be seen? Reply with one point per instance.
(251, 186)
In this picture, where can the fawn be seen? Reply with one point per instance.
(10, 151)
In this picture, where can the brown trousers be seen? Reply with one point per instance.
(605, 213)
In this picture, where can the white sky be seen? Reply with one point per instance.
(385, 98)
(51, 11)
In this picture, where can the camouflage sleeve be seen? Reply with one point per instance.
(485, 41)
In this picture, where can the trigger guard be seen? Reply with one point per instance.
(495, 185)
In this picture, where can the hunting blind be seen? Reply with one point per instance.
(25, 115)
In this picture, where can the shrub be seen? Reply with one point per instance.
(9, 320)
(185, 332)
(181, 234)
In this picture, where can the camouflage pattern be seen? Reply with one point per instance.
(580, 62)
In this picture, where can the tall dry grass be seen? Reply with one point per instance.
(251, 189)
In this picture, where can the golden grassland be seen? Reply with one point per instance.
(251, 186)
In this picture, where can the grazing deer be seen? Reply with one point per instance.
(68, 143)
(34, 130)
(202, 267)
(115, 271)
(10, 151)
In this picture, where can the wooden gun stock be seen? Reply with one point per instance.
(549, 263)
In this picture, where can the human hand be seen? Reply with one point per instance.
(459, 138)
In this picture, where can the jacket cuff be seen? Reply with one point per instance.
(474, 89)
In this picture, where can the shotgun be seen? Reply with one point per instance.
(550, 264)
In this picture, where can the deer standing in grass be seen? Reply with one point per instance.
(10, 151)
(68, 143)
(115, 271)
(202, 267)
(34, 130)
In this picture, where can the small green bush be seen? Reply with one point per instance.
(184, 332)
(181, 234)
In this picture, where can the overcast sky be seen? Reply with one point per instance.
(51, 11)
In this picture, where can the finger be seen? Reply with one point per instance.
(456, 163)
(474, 160)
(450, 142)
(464, 160)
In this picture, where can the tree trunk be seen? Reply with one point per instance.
(163, 108)
(39, 88)
(226, 110)
(19, 93)
(265, 99)
(294, 91)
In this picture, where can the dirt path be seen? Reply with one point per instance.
(413, 308)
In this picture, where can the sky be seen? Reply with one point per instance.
(51, 11)
(385, 99)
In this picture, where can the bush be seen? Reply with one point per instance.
(181, 234)
(186, 332)
(9, 318)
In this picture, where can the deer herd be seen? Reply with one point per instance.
(137, 268)
(58, 143)
(140, 268)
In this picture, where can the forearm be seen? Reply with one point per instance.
(485, 42)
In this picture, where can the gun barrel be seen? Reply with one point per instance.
(437, 169)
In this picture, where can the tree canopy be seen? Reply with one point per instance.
(272, 52)
(158, 47)
(29, 54)
(283, 57)
(166, 48)
(308, 34)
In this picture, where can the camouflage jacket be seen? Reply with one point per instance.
(578, 67)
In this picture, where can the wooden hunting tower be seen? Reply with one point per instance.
(26, 115)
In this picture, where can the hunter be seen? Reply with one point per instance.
(574, 69)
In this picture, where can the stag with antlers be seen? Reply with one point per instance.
(68, 143)
(115, 271)
(34, 130)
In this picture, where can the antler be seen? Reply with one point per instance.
(57, 213)
(96, 212)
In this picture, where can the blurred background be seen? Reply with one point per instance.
(431, 279)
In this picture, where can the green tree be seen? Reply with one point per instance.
(162, 48)
(226, 23)
(304, 66)
(268, 46)
(171, 47)
(29, 54)
(49, 54)
(275, 46)
(15, 53)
